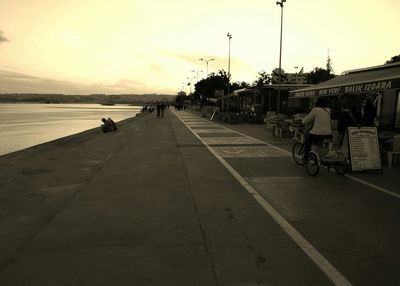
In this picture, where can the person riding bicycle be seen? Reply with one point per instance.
(320, 117)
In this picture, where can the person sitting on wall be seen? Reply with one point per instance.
(109, 125)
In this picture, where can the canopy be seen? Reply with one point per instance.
(356, 81)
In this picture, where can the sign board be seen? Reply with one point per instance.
(219, 93)
(364, 148)
(356, 88)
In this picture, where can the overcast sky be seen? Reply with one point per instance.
(151, 46)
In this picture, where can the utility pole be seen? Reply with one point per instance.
(278, 107)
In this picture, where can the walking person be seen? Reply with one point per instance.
(346, 119)
(369, 113)
(162, 108)
(158, 109)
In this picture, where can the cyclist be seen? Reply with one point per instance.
(320, 117)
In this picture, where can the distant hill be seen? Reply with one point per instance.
(93, 98)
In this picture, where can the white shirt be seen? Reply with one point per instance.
(322, 121)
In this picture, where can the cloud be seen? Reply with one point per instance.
(13, 82)
(2, 38)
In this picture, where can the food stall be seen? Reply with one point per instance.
(352, 89)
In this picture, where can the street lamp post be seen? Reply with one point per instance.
(204, 60)
(197, 74)
(278, 107)
(229, 35)
(190, 84)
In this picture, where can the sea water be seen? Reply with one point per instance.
(23, 125)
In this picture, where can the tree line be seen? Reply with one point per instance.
(205, 88)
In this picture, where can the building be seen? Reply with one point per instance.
(261, 100)
(297, 78)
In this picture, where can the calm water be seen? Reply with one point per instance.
(25, 125)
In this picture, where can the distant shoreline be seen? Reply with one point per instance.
(138, 99)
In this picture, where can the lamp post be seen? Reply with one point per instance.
(278, 107)
(183, 86)
(204, 60)
(190, 83)
(197, 74)
(229, 35)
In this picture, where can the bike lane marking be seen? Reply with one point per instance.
(323, 264)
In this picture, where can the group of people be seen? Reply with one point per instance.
(320, 118)
(353, 117)
(160, 109)
(108, 125)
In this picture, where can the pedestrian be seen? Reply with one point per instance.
(356, 113)
(320, 117)
(158, 109)
(162, 108)
(369, 113)
(346, 119)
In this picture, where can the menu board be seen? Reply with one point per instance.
(364, 148)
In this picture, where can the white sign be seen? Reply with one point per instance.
(364, 148)
(219, 93)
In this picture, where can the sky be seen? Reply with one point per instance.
(153, 46)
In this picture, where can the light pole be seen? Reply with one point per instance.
(197, 74)
(183, 86)
(229, 35)
(190, 83)
(278, 107)
(204, 60)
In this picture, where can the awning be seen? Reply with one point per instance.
(354, 82)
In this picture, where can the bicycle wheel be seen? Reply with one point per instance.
(340, 164)
(298, 153)
(312, 164)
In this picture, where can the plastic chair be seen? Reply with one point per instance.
(284, 129)
(394, 154)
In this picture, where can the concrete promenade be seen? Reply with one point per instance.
(183, 201)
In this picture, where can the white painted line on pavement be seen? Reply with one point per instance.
(380, 189)
(333, 274)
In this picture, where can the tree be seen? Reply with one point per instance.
(318, 75)
(206, 87)
(262, 78)
(275, 76)
(180, 98)
(394, 59)
(238, 85)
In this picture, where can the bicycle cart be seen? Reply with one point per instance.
(325, 155)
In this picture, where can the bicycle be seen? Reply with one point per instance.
(326, 155)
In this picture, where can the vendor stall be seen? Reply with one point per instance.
(371, 95)
(380, 85)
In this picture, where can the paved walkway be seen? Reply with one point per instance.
(152, 205)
